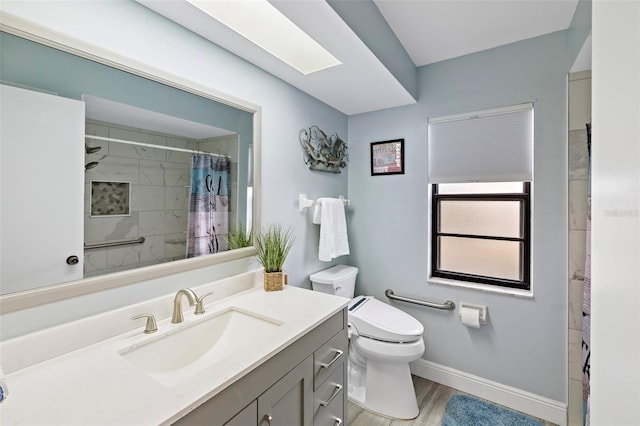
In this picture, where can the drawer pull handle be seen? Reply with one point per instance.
(338, 421)
(268, 418)
(335, 393)
(335, 358)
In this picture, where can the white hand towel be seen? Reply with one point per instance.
(333, 230)
(317, 214)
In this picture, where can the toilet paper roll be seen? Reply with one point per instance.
(470, 317)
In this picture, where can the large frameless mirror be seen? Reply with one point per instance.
(142, 174)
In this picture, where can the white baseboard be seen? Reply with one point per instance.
(516, 399)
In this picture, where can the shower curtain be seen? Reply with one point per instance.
(208, 205)
(586, 302)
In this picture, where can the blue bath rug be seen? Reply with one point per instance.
(463, 410)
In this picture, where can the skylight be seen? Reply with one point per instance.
(261, 23)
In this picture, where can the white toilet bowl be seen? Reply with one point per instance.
(383, 340)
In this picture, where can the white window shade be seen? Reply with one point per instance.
(486, 146)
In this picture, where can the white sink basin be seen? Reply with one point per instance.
(174, 356)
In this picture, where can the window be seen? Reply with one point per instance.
(480, 233)
(480, 167)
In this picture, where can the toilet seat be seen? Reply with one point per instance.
(387, 352)
(377, 320)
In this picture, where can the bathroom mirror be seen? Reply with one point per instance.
(142, 133)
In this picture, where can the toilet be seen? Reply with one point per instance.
(383, 340)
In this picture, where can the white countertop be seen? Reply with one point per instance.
(95, 385)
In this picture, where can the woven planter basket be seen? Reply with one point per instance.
(273, 281)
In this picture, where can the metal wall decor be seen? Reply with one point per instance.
(322, 153)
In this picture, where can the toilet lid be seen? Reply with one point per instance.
(378, 320)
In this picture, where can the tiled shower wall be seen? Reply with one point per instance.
(579, 115)
(159, 181)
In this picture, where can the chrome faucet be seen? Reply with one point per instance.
(177, 304)
(151, 326)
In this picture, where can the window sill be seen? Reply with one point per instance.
(525, 294)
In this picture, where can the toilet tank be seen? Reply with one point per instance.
(339, 280)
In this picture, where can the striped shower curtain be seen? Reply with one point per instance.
(586, 302)
(208, 205)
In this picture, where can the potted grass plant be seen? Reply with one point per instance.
(273, 246)
(239, 238)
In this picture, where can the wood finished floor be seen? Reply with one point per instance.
(432, 399)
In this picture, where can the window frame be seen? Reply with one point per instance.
(525, 239)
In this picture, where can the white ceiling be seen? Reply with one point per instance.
(435, 30)
(429, 30)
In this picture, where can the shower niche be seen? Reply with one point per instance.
(110, 198)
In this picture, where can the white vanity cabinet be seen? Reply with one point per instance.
(304, 384)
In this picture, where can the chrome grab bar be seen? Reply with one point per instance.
(448, 305)
(114, 243)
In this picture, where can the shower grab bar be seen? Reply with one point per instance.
(448, 305)
(114, 243)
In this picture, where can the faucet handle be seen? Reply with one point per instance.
(199, 305)
(151, 326)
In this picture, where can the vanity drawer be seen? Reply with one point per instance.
(329, 399)
(327, 359)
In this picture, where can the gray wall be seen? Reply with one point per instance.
(579, 29)
(524, 343)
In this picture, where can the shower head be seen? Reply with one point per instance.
(90, 165)
(91, 149)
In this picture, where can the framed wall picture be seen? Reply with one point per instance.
(387, 157)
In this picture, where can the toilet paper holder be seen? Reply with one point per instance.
(481, 308)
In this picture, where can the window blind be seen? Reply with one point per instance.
(486, 146)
